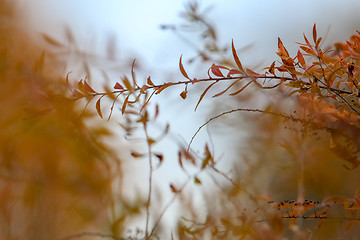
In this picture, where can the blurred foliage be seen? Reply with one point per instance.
(56, 173)
(294, 176)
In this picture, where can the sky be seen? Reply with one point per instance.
(134, 27)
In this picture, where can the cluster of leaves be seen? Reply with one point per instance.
(325, 82)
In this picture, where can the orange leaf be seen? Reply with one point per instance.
(357, 201)
(301, 59)
(203, 94)
(173, 189)
(133, 73)
(182, 70)
(180, 160)
(183, 94)
(163, 87)
(236, 58)
(52, 41)
(136, 154)
(197, 180)
(98, 109)
(271, 69)
(149, 82)
(282, 50)
(308, 43)
(127, 83)
(124, 104)
(308, 50)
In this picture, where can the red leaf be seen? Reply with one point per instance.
(216, 71)
(98, 109)
(203, 94)
(182, 70)
(118, 86)
(160, 157)
(314, 33)
(236, 58)
(232, 72)
(88, 88)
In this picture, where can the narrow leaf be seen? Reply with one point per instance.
(124, 104)
(282, 50)
(239, 91)
(182, 70)
(224, 91)
(314, 33)
(301, 59)
(133, 73)
(98, 109)
(203, 94)
(180, 160)
(126, 83)
(173, 189)
(88, 88)
(136, 154)
(251, 72)
(236, 58)
(271, 69)
(52, 41)
(308, 43)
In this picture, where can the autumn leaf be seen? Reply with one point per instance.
(183, 94)
(149, 82)
(203, 94)
(216, 70)
(98, 109)
(174, 189)
(314, 33)
(281, 49)
(236, 58)
(118, 86)
(52, 41)
(182, 70)
(88, 88)
(301, 59)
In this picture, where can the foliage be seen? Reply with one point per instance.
(297, 179)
